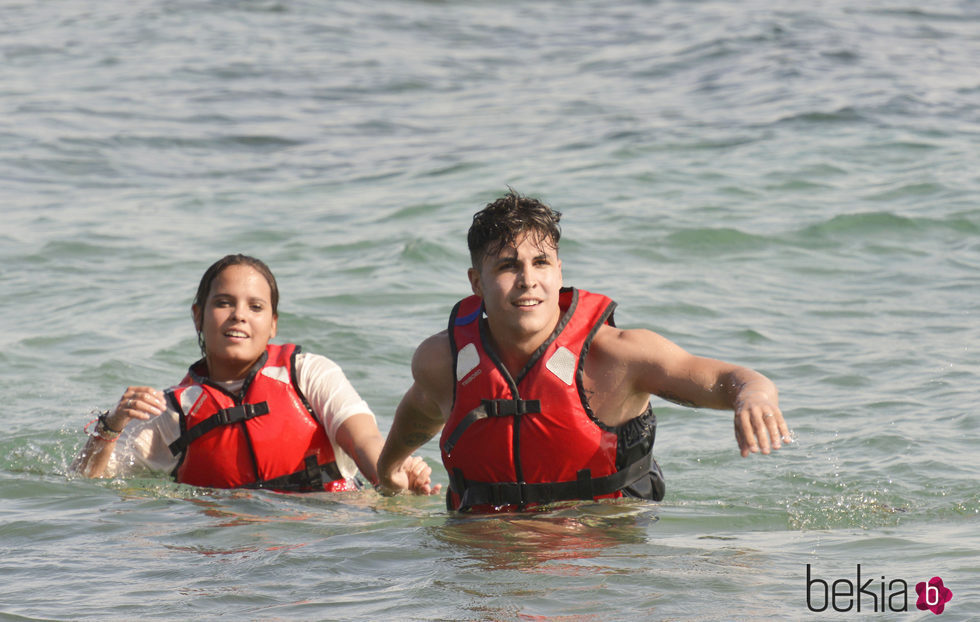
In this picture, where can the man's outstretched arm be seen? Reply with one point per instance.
(422, 411)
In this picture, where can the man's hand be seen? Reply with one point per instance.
(759, 424)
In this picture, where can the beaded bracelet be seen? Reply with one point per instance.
(102, 430)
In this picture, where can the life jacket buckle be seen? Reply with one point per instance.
(511, 408)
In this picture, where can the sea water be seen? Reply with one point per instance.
(789, 186)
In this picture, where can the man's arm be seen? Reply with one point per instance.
(661, 367)
(422, 411)
(358, 436)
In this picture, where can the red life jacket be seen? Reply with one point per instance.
(534, 439)
(265, 436)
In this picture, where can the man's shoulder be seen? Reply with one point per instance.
(432, 369)
(638, 352)
(625, 344)
(436, 346)
(611, 337)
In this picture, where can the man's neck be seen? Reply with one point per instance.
(517, 350)
(514, 357)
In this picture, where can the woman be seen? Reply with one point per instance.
(249, 414)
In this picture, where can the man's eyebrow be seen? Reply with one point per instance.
(543, 254)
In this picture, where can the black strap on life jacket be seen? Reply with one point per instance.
(584, 487)
(227, 416)
(310, 478)
(492, 408)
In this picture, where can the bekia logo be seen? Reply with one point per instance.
(873, 594)
(933, 595)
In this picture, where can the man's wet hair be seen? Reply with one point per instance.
(502, 222)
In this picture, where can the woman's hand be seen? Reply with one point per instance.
(413, 474)
(136, 403)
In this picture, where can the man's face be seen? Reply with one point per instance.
(519, 286)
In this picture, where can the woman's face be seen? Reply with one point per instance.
(237, 321)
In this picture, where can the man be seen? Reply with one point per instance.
(539, 396)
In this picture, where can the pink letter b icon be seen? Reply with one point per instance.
(933, 595)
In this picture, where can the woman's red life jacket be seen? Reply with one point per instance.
(264, 436)
(511, 443)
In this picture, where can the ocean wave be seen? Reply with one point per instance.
(866, 225)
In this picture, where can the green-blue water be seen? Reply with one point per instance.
(792, 188)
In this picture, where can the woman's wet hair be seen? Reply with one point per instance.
(503, 221)
(204, 288)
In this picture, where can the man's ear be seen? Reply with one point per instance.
(275, 326)
(474, 276)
